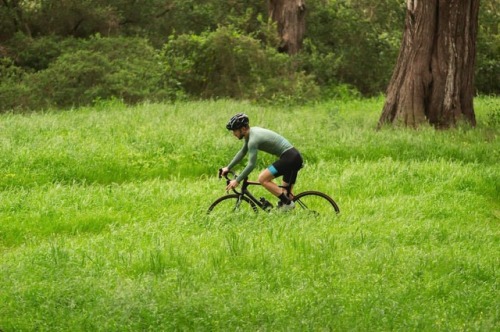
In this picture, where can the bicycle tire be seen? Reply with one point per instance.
(316, 202)
(221, 205)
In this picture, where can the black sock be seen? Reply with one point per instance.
(284, 199)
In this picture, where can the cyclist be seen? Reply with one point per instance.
(255, 139)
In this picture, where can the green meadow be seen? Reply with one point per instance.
(103, 223)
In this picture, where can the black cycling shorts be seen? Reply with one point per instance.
(288, 165)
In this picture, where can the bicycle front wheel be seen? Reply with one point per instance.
(316, 203)
(233, 203)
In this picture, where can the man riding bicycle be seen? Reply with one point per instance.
(255, 139)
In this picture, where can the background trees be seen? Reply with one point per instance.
(434, 76)
(206, 49)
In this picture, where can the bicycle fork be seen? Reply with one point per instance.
(238, 203)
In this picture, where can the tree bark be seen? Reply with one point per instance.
(433, 80)
(290, 18)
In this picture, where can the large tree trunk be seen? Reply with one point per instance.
(434, 76)
(290, 18)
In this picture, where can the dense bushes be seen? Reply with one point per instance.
(102, 68)
(225, 63)
(14, 91)
(488, 50)
(219, 64)
(85, 70)
(353, 44)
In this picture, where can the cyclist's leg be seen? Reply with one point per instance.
(287, 165)
(286, 183)
(266, 178)
(290, 175)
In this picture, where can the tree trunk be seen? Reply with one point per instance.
(433, 80)
(291, 20)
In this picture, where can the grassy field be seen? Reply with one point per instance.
(103, 225)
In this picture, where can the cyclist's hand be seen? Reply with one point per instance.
(223, 171)
(232, 184)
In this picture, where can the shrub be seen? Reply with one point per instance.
(487, 79)
(14, 93)
(34, 54)
(226, 63)
(73, 79)
(354, 43)
(100, 68)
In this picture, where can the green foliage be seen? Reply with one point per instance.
(71, 18)
(9, 72)
(96, 68)
(226, 63)
(354, 43)
(14, 92)
(488, 50)
(35, 54)
(74, 79)
(7, 27)
(491, 117)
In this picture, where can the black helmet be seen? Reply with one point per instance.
(238, 121)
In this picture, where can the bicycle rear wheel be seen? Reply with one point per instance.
(233, 203)
(316, 203)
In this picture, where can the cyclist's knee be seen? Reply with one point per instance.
(265, 176)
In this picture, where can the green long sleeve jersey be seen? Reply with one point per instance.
(259, 139)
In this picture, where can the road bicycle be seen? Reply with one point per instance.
(310, 202)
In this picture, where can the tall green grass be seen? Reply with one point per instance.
(103, 225)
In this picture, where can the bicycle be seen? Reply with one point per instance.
(313, 202)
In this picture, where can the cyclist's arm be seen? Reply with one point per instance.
(252, 162)
(238, 157)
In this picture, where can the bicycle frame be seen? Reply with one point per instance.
(245, 192)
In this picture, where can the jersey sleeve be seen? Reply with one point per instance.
(252, 162)
(238, 157)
